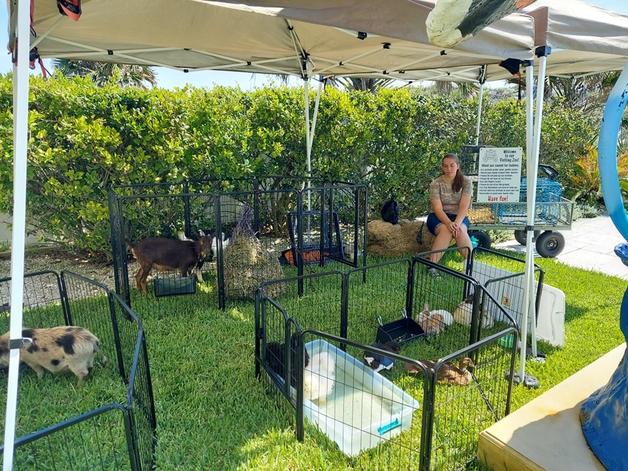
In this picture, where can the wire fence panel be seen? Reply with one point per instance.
(411, 391)
(257, 252)
(467, 403)
(141, 406)
(384, 283)
(320, 306)
(92, 441)
(101, 438)
(43, 304)
(350, 204)
(88, 307)
(504, 278)
(374, 420)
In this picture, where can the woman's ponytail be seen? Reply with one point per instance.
(458, 182)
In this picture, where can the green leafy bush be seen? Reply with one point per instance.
(84, 138)
(566, 135)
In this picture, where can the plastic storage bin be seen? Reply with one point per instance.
(364, 409)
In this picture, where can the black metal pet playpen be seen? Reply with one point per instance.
(260, 229)
(402, 371)
(109, 422)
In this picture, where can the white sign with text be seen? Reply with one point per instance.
(499, 175)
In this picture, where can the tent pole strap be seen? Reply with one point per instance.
(308, 147)
(20, 143)
(479, 123)
(315, 116)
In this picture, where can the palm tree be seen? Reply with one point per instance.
(463, 89)
(103, 72)
(586, 93)
(363, 84)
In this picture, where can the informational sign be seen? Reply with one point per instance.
(499, 175)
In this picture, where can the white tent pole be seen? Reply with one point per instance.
(532, 171)
(20, 142)
(529, 157)
(479, 123)
(538, 121)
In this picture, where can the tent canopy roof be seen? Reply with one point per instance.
(584, 39)
(274, 36)
(206, 35)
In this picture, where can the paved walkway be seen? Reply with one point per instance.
(589, 245)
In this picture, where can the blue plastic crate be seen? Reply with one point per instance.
(547, 190)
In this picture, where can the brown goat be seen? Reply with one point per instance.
(56, 349)
(170, 254)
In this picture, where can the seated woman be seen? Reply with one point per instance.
(450, 197)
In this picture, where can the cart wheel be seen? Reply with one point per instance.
(520, 236)
(550, 244)
(482, 238)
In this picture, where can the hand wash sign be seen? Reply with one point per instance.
(499, 176)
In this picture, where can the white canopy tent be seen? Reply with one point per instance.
(367, 39)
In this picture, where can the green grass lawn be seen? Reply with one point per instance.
(212, 413)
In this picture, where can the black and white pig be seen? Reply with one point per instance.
(56, 349)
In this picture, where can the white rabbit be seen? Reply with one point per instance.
(464, 312)
(319, 377)
(448, 319)
(434, 322)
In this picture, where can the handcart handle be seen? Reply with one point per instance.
(382, 429)
(550, 171)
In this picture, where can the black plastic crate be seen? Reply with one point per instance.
(175, 286)
(401, 331)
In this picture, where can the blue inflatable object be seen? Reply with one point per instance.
(621, 251)
(607, 153)
(604, 415)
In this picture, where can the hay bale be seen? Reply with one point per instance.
(248, 264)
(405, 238)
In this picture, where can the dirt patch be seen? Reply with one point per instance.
(57, 260)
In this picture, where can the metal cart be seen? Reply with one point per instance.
(552, 213)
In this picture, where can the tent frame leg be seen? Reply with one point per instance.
(18, 236)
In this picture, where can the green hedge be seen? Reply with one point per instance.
(84, 138)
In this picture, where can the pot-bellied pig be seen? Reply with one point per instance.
(170, 254)
(56, 349)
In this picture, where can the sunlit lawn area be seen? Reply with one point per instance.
(212, 413)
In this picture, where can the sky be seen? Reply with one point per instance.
(169, 78)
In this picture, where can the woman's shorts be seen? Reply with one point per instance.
(433, 221)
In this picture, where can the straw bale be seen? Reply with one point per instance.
(394, 240)
(248, 264)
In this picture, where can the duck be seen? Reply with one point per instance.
(448, 373)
